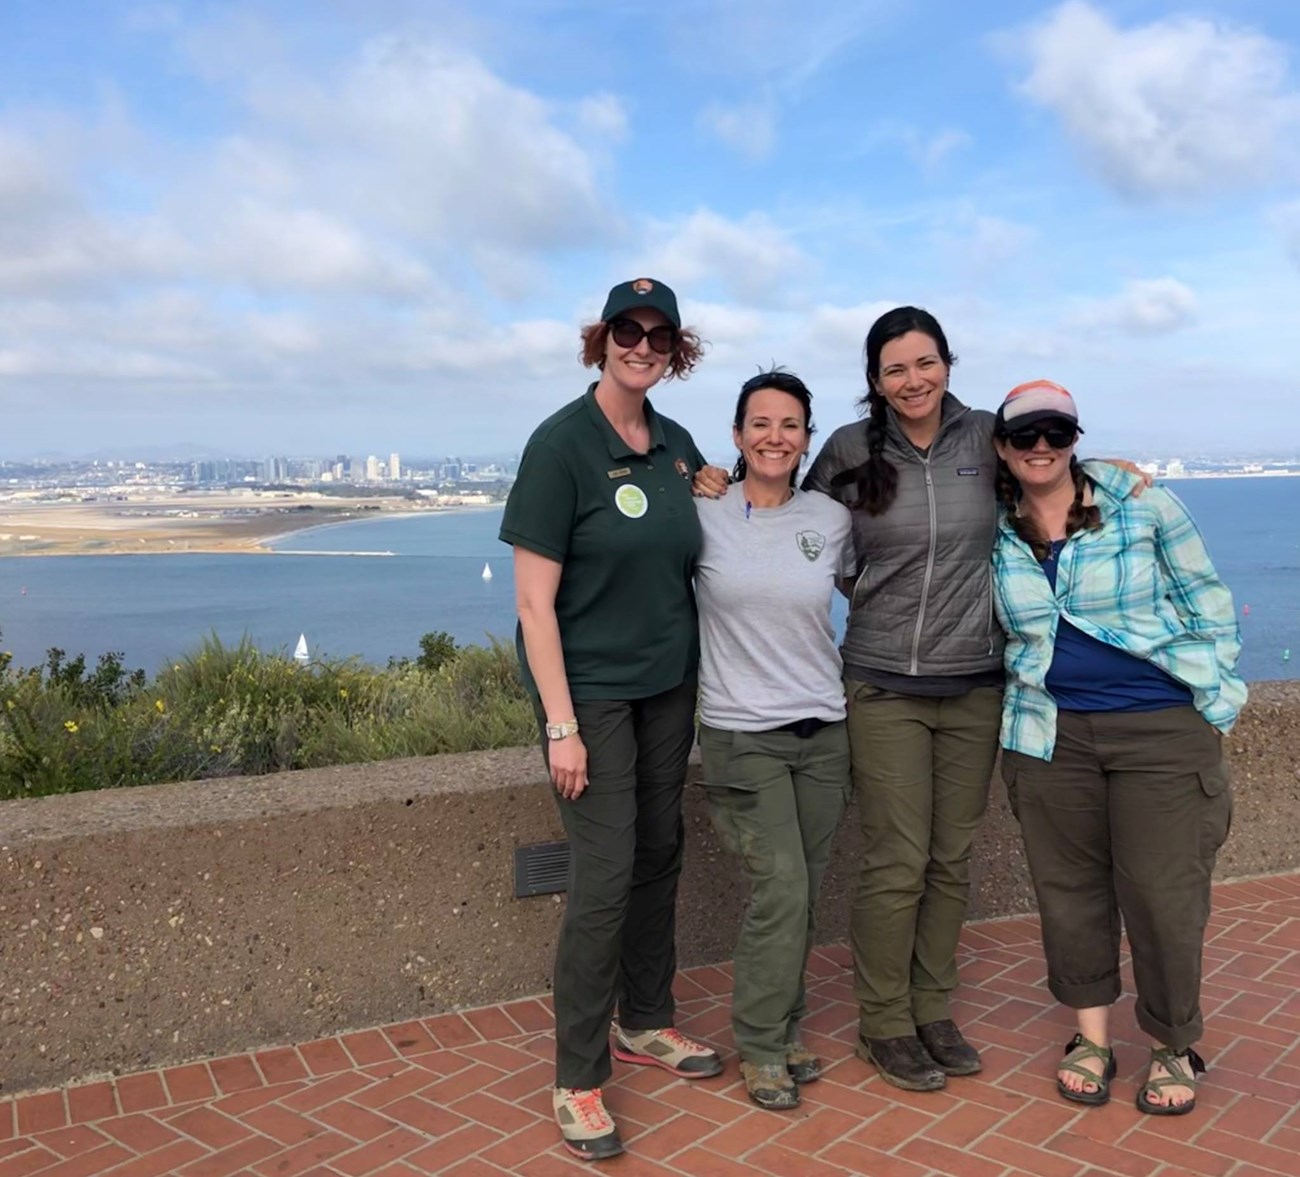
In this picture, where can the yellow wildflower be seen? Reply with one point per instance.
(71, 725)
(343, 692)
(160, 706)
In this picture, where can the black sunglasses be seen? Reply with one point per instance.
(1060, 435)
(628, 333)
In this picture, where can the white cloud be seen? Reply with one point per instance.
(604, 115)
(751, 259)
(1179, 107)
(748, 128)
(1144, 307)
(1285, 219)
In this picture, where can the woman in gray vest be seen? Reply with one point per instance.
(772, 732)
(923, 675)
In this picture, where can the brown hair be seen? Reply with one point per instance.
(1080, 518)
(686, 353)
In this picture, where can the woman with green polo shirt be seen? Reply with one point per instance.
(606, 539)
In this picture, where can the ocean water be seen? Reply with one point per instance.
(153, 608)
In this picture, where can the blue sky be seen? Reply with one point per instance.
(359, 227)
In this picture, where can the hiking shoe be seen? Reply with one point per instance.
(945, 1044)
(585, 1126)
(904, 1062)
(801, 1063)
(669, 1049)
(770, 1086)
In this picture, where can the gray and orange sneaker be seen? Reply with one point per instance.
(667, 1048)
(586, 1127)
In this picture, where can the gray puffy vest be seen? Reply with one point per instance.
(923, 600)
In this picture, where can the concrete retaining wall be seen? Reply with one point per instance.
(172, 922)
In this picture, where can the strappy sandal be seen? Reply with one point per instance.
(1174, 1062)
(1076, 1050)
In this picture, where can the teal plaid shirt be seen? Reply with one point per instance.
(1143, 583)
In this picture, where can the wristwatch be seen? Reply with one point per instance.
(560, 731)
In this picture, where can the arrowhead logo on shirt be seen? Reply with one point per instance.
(811, 544)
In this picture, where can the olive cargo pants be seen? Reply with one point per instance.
(776, 801)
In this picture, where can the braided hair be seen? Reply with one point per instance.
(876, 480)
(1081, 517)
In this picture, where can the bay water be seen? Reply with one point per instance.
(153, 609)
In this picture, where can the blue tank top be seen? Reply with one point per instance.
(1088, 675)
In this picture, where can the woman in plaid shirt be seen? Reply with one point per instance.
(1121, 656)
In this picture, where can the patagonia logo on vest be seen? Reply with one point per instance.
(968, 471)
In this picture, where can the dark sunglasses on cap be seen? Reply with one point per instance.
(1060, 435)
(628, 333)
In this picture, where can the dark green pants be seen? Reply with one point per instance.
(1125, 819)
(775, 800)
(921, 768)
(617, 943)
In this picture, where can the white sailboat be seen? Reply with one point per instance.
(300, 651)
(487, 572)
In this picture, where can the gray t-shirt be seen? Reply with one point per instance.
(763, 585)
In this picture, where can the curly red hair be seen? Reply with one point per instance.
(687, 351)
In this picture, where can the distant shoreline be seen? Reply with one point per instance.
(188, 526)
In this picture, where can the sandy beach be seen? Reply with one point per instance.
(160, 522)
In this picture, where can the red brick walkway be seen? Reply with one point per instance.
(467, 1094)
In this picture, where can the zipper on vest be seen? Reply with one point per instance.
(929, 563)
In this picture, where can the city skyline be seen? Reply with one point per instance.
(288, 224)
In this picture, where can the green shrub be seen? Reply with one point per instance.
(234, 710)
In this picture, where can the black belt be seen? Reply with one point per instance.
(804, 728)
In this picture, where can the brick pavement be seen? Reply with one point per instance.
(467, 1094)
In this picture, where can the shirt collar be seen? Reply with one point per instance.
(618, 448)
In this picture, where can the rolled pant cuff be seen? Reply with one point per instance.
(1176, 1038)
(1087, 994)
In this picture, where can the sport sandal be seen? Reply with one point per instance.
(1183, 1066)
(1076, 1050)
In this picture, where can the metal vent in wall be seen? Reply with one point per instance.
(541, 868)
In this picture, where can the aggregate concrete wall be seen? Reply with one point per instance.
(172, 922)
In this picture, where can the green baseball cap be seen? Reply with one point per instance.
(641, 292)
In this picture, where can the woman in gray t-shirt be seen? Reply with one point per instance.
(772, 733)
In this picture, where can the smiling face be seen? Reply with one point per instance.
(1043, 468)
(913, 378)
(774, 436)
(639, 368)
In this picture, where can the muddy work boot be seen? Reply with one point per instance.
(946, 1045)
(904, 1062)
(803, 1065)
(770, 1086)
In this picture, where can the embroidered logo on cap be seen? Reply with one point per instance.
(643, 286)
(631, 500)
(811, 544)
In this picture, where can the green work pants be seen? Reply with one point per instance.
(921, 769)
(775, 800)
(617, 944)
(1126, 818)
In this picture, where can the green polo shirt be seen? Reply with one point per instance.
(624, 527)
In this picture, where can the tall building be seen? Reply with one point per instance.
(394, 467)
(372, 469)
